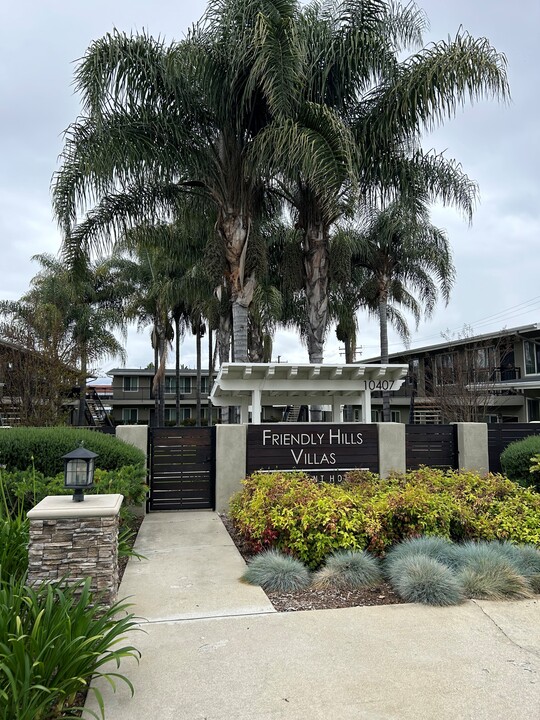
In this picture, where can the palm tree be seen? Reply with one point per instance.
(72, 315)
(402, 260)
(182, 118)
(377, 108)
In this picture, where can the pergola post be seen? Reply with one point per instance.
(366, 406)
(256, 406)
(336, 409)
(244, 413)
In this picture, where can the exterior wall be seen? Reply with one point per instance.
(142, 399)
(230, 462)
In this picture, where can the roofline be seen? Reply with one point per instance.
(453, 343)
(152, 372)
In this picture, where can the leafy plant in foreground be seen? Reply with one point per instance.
(274, 571)
(53, 641)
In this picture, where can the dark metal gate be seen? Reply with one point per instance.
(182, 468)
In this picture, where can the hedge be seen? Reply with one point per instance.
(297, 515)
(43, 448)
(516, 460)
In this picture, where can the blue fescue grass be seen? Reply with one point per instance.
(276, 572)
(422, 579)
(490, 571)
(434, 547)
(348, 570)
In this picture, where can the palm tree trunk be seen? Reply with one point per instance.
(210, 372)
(316, 261)
(154, 388)
(316, 284)
(233, 227)
(198, 389)
(224, 351)
(177, 367)
(383, 326)
(240, 327)
(82, 390)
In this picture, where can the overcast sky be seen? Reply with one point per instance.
(498, 145)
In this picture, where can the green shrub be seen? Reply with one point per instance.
(310, 520)
(53, 641)
(516, 460)
(43, 448)
(419, 578)
(348, 570)
(30, 486)
(291, 512)
(274, 571)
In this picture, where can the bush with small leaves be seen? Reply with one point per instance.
(276, 572)
(418, 578)
(348, 570)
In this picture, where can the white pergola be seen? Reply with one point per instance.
(257, 384)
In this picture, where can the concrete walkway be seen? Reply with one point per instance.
(214, 649)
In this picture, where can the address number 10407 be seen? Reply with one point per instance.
(379, 384)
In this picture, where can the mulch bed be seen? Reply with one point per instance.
(311, 599)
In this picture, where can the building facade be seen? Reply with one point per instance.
(133, 400)
(491, 378)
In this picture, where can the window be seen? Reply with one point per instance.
(533, 410)
(170, 415)
(170, 385)
(131, 383)
(377, 416)
(185, 413)
(445, 367)
(185, 385)
(481, 364)
(130, 416)
(204, 384)
(532, 358)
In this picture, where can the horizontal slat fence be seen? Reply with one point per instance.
(500, 435)
(182, 468)
(433, 445)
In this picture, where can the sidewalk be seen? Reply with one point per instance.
(214, 649)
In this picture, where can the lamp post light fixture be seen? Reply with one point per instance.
(79, 471)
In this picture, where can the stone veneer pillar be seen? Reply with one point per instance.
(74, 541)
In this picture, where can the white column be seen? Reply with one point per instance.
(336, 409)
(244, 412)
(256, 407)
(366, 406)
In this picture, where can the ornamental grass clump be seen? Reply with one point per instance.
(348, 570)
(487, 573)
(436, 548)
(276, 572)
(419, 578)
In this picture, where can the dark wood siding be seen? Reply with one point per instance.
(433, 445)
(182, 468)
(501, 435)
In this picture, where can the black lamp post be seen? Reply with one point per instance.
(79, 471)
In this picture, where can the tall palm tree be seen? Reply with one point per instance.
(160, 119)
(378, 108)
(405, 260)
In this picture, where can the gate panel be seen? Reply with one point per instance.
(433, 445)
(182, 468)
